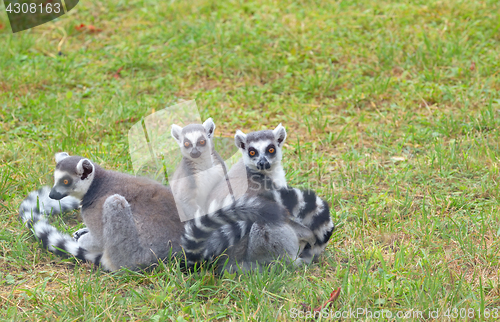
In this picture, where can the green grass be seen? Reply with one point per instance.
(392, 111)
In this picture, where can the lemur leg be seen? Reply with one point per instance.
(88, 242)
(268, 243)
(121, 242)
(236, 259)
(306, 239)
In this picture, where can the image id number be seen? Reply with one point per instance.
(33, 8)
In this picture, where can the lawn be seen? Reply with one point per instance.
(392, 110)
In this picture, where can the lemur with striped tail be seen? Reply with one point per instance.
(132, 222)
(261, 161)
(253, 242)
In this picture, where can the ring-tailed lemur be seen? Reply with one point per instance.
(200, 169)
(265, 234)
(259, 170)
(298, 211)
(132, 222)
(261, 157)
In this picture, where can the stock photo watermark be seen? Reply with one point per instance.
(174, 146)
(405, 314)
(25, 15)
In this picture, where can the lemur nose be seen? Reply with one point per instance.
(263, 165)
(195, 153)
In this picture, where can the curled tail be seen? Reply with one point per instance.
(37, 205)
(207, 237)
(33, 213)
(308, 209)
(62, 244)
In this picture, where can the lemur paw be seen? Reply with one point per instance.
(79, 233)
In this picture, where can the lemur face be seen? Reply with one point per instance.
(72, 177)
(194, 139)
(262, 149)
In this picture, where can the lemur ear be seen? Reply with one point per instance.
(240, 139)
(84, 168)
(61, 156)
(209, 126)
(176, 132)
(280, 134)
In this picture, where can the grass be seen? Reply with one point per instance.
(392, 111)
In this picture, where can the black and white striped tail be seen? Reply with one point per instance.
(206, 237)
(307, 208)
(62, 244)
(33, 213)
(38, 205)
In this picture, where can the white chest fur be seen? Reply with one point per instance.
(278, 176)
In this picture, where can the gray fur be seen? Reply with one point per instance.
(245, 176)
(127, 244)
(241, 241)
(264, 244)
(266, 135)
(200, 169)
(252, 233)
(263, 162)
(261, 181)
(131, 222)
(60, 156)
(272, 183)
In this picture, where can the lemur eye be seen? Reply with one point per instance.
(252, 153)
(271, 150)
(187, 144)
(202, 142)
(66, 181)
